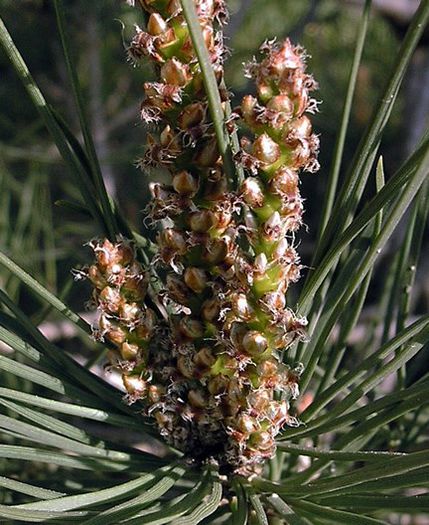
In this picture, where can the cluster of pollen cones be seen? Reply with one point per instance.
(211, 374)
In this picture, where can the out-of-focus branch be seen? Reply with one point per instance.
(297, 30)
(126, 116)
(401, 10)
(98, 115)
(238, 18)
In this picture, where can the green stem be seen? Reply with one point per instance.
(211, 85)
(339, 146)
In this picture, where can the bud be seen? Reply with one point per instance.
(164, 420)
(146, 325)
(134, 385)
(247, 424)
(205, 8)
(201, 221)
(109, 254)
(174, 7)
(129, 312)
(218, 385)
(248, 105)
(111, 330)
(285, 182)
(208, 155)
(155, 393)
(273, 227)
(281, 104)
(177, 289)
(162, 97)
(96, 277)
(216, 251)
(261, 264)
(110, 299)
(278, 413)
(156, 25)
(185, 183)
(300, 128)
(241, 306)
(274, 301)
(175, 73)
(216, 189)
(191, 328)
(135, 286)
(267, 371)
(265, 91)
(284, 57)
(266, 149)
(301, 153)
(223, 217)
(253, 193)
(171, 238)
(210, 310)
(259, 401)
(196, 279)
(250, 221)
(281, 249)
(262, 441)
(204, 358)
(235, 391)
(191, 116)
(238, 331)
(167, 136)
(255, 343)
(159, 191)
(129, 352)
(208, 37)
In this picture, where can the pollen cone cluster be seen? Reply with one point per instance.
(212, 374)
(120, 287)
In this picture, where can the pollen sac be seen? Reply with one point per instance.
(210, 310)
(177, 289)
(174, 73)
(204, 358)
(281, 107)
(201, 221)
(196, 279)
(254, 343)
(253, 192)
(196, 399)
(266, 150)
(191, 328)
(185, 183)
(134, 385)
(129, 351)
(241, 306)
(192, 116)
(156, 25)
